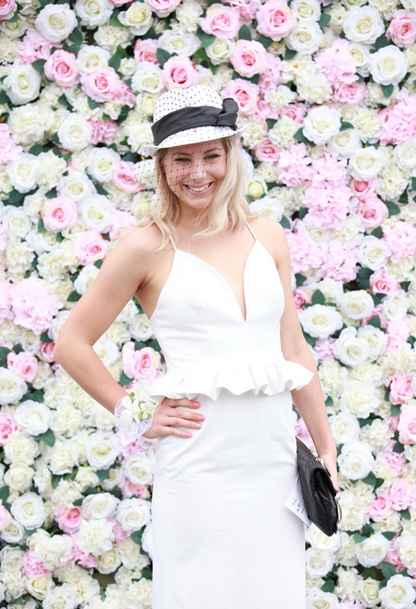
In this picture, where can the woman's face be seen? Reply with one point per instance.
(194, 172)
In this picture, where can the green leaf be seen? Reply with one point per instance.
(346, 125)
(4, 493)
(136, 536)
(379, 482)
(370, 479)
(101, 190)
(114, 20)
(41, 226)
(413, 183)
(389, 534)
(4, 351)
(364, 422)
(311, 340)
(329, 401)
(367, 530)
(387, 569)
(377, 232)
(48, 437)
(387, 90)
(114, 62)
(299, 136)
(37, 396)
(405, 514)
(328, 586)
(207, 40)
(398, 448)
(77, 502)
(300, 279)
(103, 473)
(285, 222)
(302, 212)
(123, 114)
(265, 41)
(324, 20)
(271, 122)
(255, 79)
(201, 54)
(51, 194)
(74, 296)
(4, 99)
(29, 532)
(38, 65)
(375, 321)
(93, 104)
(289, 54)
(382, 41)
(358, 538)
(395, 410)
(244, 33)
(318, 297)
(393, 208)
(124, 379)
(76, 36)
(363, 276)
(55, 479)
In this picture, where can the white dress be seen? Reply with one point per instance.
(222, 537)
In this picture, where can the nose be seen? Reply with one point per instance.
(197, 169)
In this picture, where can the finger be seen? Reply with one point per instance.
(188, 414)
(179, 422)
(172, 431)
(183, 402)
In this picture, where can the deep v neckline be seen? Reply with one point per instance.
(224, 280)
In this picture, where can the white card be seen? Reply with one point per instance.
(296, 504)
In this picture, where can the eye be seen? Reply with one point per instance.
(213, 156)
(181, 160)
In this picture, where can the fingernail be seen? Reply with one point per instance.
(201, 417)
(196, 404)
(198, 425)
(189, 435)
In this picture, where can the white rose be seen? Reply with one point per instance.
(32, 417)
(187, 14)
(372, 551)
(363, 24)
(373, 252)
(19, 477)
(109, 561)
(255, 186)
(85, 278)
(320, 124)
(317, 599)
(76, 186)
(355, 460)
(51, 168)
(318, 562)
(344, 427)
(60, 597)
(279, 97)
(106, 350)
(220, 50)
(147, 77)
(367, 163)
(22, 84)
(361, 57)
(13, 532)
(368, 590)
(394, 305)
(319, 540)
(93, 12)
(398, 593)
(75, 132)
(102, 162)
(133, 514)
(136, 130)
(388, 65)
(95, 536)
(102, 449)
(21, 448)
(23, 172)
(356, 305)
(102, 505)
(359, 399)
(39, 585)
(91, 58)
(345, 142)
(320, 321)
(12, 387)
(350, 349)
(376, 340)
(29, 510)
(140, 328)
(404, 154)
(179, 42)
(15, 221)
(406, 546)
(268, 207)
(56, 22)
(97, 212)
(138, 17)
(305, 37)
(138, 468)
(306, 9)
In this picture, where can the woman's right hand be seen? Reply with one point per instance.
(168, 415)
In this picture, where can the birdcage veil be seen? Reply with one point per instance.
(194, 131)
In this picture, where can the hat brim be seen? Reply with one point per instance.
(189, 136)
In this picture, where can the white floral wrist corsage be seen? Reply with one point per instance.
(134, 415)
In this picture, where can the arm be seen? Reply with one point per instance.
(123, 270)
(309, 400)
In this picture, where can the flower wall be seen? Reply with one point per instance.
(326, 92)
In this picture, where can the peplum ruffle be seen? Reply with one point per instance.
(268, 378)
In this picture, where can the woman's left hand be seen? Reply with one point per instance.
(330, 461)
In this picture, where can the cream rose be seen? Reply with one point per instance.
(56, 22)
(93, 13)
(12, 387)
(23, 172)
(22, 84)
(388, 65)
(363, 24)
(398, 593)
(147, 77)
(220, 50)
(75, 132)
(344, 427)
(357, 304)
(373, 253)
(102, 449)
(102, 163)
(359, 399)
(95, 536)
(346, 142)
(320, 124)
(60, 597)
(138, 17)
(355, 460)
(29, 510)
(367, 163)
(138, 468)
(19, 477)
(102, 505)
(91, 58)
(133, 514)
(305, 37)
(320, 321)
(76, 186)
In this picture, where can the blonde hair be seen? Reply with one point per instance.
(228, 209)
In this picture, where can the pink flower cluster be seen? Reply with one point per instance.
(34, 46)
(8, 147)
(33, 306)
(401, 239)
(399, 120)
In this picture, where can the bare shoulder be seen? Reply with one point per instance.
(271, 233)
(140, 243)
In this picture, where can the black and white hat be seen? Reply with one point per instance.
(189, 116)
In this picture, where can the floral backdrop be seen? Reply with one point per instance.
(327, 95)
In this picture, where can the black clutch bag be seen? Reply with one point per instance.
(319, 494)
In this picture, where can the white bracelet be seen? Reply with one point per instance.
(134, 415)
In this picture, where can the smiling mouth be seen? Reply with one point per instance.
(199, 189)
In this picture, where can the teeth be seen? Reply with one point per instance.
(199, 189)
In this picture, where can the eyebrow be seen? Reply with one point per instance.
(206, 151)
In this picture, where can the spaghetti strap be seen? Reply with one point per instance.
(173, 243)
(251, 231)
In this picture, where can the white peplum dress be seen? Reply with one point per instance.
(222, 537)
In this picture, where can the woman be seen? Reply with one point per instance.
(215, 282)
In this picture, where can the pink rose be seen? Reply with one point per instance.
(393, 558)
(248, 58)
(163, 8)
(275, 19)
(363, 189)
(381, 281)
(59, 213)
(351, 93)
(90, 246)
(4, 516)
(401, 239)
(121, 2)
(68, 518)
(46, 352)
(267, 151)
(142, 364)
(7, 427)
(124, 176)
(394, 460)
(245, 93)
(324, 348)
(300, 297)
(129, 489)
(101, 85)
(145, 50)
(62, 68)
(372, 212)
(407, 425)
(179, 72)
(7, 8)
(400, 495)
(402, 29)
(381, 507)
(294, 111)
(103, 131)
(24, 364)
(32, 566)
(401, 388)
(221, 21)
